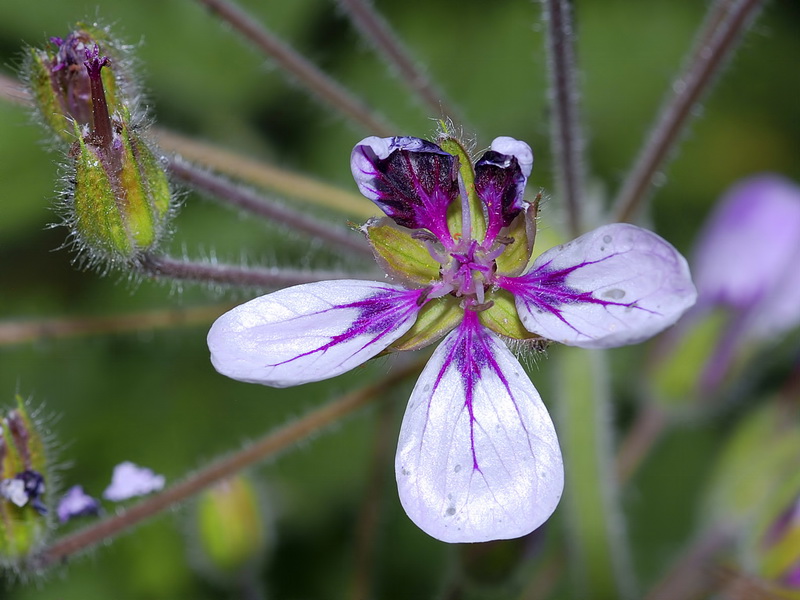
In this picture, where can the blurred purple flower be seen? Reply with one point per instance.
(747, 261)
(130, 480)
(76, 503)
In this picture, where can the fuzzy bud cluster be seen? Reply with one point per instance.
(22, 485)
(118, 198)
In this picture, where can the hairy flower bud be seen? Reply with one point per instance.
(121, 195)
(60, 85)
(22, 485)
(232, 530)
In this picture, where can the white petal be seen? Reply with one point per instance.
(617, 285)
(478, 457)
(517, 148)
(310, 332)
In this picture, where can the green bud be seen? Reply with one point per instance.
(23, 465)
(759, 458)
(121, 196)
(60, 85)
(232, 528)
(676, 374)
(121, 193)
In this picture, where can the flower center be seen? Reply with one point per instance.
(468, 270)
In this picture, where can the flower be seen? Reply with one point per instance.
(130, 480)
(748, 279)
(77, 503)
(478, 458)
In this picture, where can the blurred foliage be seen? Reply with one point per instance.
(153, 398)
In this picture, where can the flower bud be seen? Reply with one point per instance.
(121, 193)
(778, 549)
(22, 485)
(60, 85)
(232, 528)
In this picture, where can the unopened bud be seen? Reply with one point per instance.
(60, 85)
(22, 485)
(121, 196)
(232, 528)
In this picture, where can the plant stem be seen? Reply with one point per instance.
(314, 79)
(268, 446)
(594, 516)
(566, 132)
(377, 31)
(648, 425)
(224, 190)
(368, 528)
(715, 42)
(692, 574)
(23, 331)
(164, 267)
(286, 183)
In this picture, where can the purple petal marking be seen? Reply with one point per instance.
(77, 503)
(413, 181)
(500, 178)
(130, 480)
(311, 332)
(478, 458)
(616, 285)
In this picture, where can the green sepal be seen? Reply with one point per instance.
(98, 220)
(40, 87)
(120, 201)
(454, 216)
(515, 258)
(403, 258)
(502, 317)
(437, 318)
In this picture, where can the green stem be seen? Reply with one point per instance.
(597, 535)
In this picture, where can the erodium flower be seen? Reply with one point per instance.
(478, 457)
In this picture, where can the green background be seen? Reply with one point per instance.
(152, 397)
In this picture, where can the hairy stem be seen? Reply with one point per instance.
(715, 42)
(566, 132)
(24, 331)
(286, 183)
(253, 203)
(377, 31)
(597, 532)
(310, 76)
(268, 446)
(164, 267)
